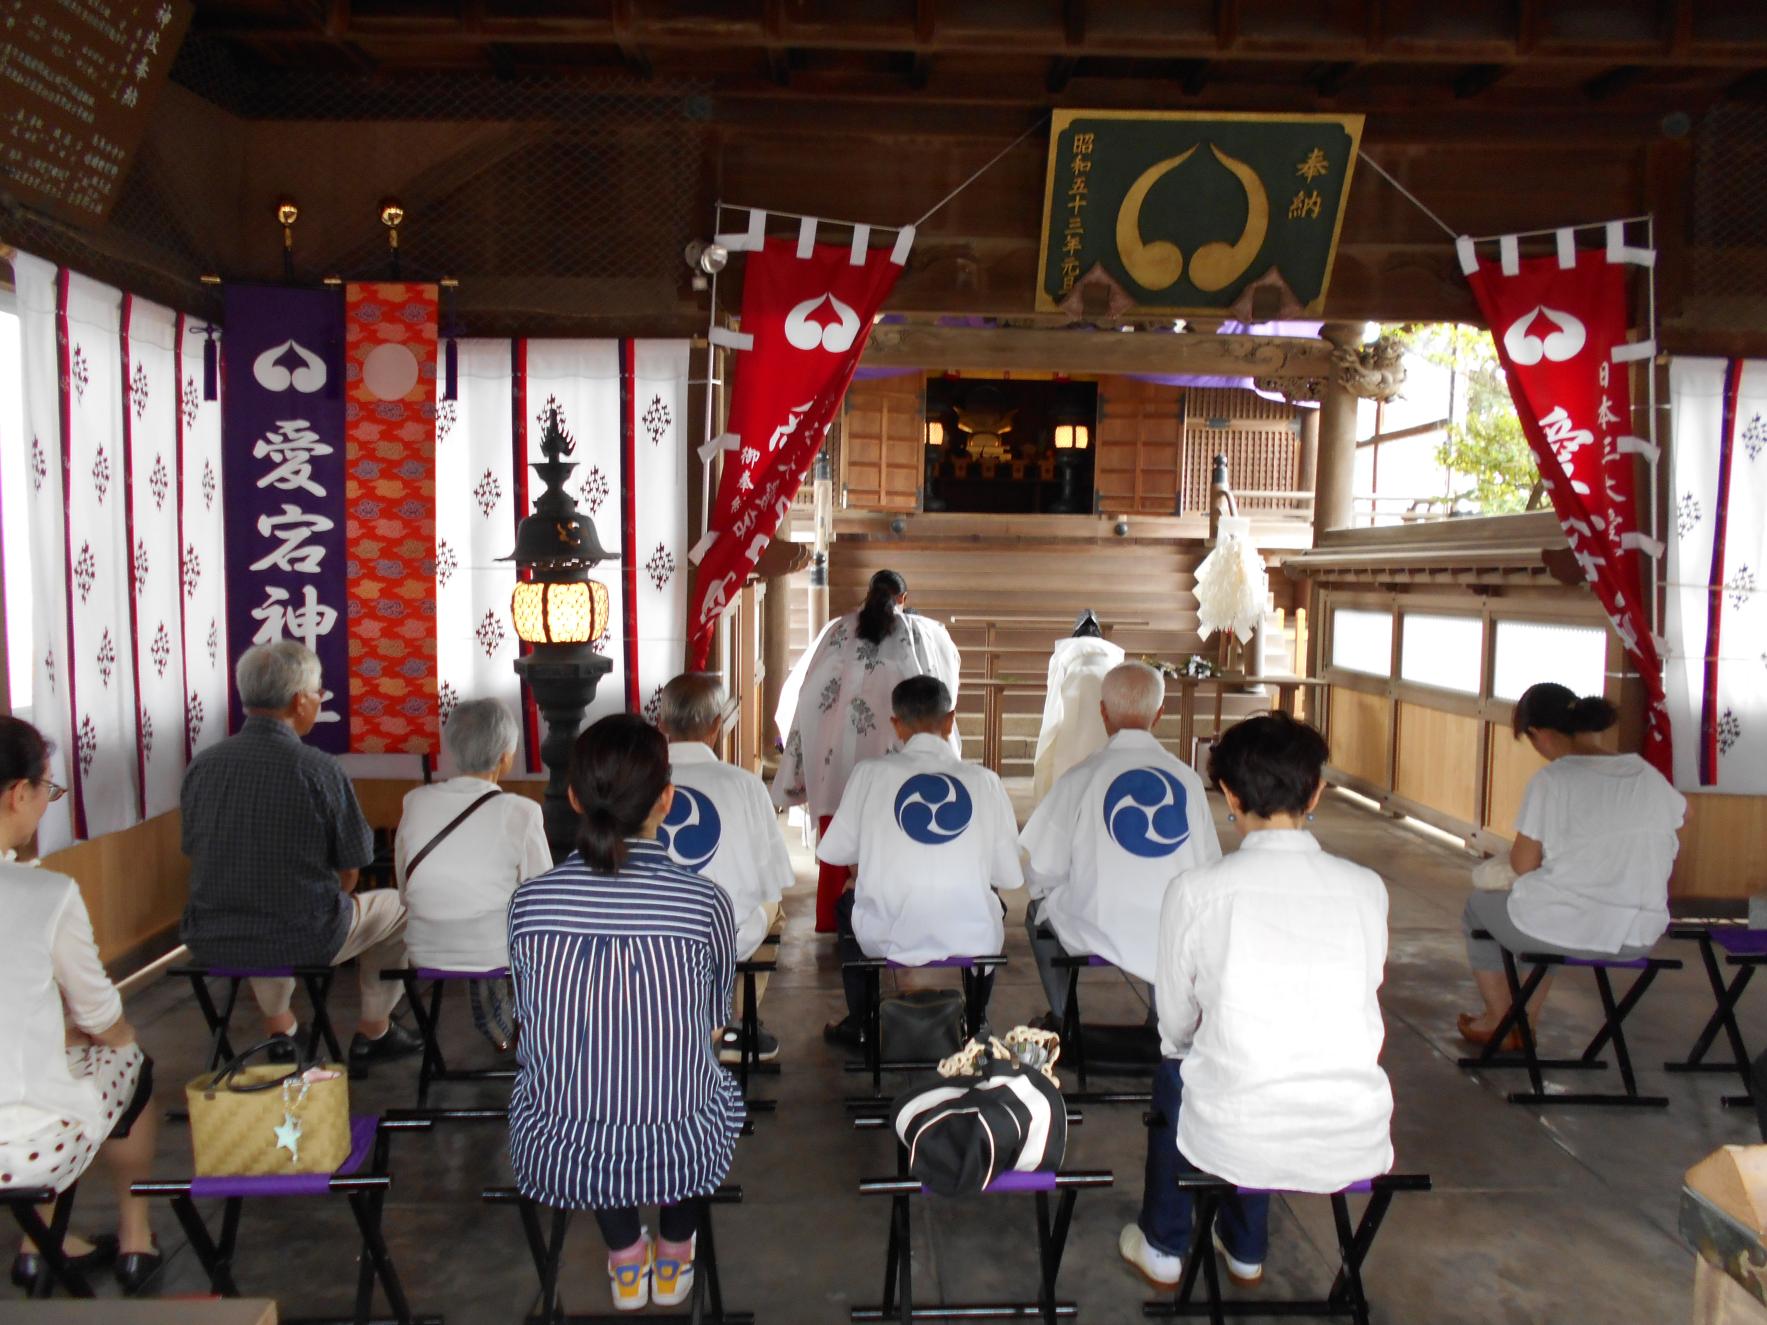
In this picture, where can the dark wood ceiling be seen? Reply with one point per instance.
(1359, 54)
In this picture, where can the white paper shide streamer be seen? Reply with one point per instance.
(1232, 586)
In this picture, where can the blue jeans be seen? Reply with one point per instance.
(1165, 1211)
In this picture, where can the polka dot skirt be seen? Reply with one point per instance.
(58, 1152)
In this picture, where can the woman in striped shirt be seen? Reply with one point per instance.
(623, 965)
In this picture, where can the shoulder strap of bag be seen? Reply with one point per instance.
(436, 841)
(223, 1077)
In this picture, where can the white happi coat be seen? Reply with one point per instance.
(722, 825)
(835, 705)
(1106, 842)
(1073, 727)
(932, 837)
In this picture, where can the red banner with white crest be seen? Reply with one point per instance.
(1560, 325)
(807, 309)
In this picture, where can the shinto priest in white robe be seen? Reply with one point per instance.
(1073, 728)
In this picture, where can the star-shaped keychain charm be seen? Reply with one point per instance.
(288, 1137)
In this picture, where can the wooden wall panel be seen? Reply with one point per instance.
(1359, 735)
(1720, 848)
(883, 442)
(1438, 759)
(1140, 446)
(1513, 762)
(1259, 440)
(133, 882)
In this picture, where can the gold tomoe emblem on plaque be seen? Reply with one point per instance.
(1214, 265)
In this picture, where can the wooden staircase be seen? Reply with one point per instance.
(983, 584)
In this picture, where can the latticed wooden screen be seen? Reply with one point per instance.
(1258, 439)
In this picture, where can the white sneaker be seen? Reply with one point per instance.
(630, 1284)
(1152, 1264)
(1247, 1274)
(671, 1279)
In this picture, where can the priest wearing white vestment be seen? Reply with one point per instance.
(835, 707)
(1072, 728)
(1110, 837)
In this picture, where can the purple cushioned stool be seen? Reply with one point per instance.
(973, 969)
(434, 1065)
(1346, 1297)
(1614, 1014)
(1052, 1237)
(366, 1193)
(1073, 1036)
(316, 979)
(1744, 951)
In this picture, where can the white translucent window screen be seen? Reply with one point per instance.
(14, 487)
(1362, 641)
(1532, 651)
(1442, 651)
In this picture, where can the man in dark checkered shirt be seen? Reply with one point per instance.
(276, 841)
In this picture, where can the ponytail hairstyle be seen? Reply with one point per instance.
(879, 612)
(24, 754)
(619, 766)
(1551, 707)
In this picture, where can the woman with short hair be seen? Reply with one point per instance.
(1269, 969)
(624, 964)
(462, 849)
(1596, 840)
(76, 1084)
(834, 708)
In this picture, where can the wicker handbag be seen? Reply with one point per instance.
(268, 1118)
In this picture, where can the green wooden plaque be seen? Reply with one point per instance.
(1184, 211)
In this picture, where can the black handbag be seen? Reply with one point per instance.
(962, 1132)
(920, 1027)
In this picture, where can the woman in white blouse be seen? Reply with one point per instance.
(834, 708)
(74, 1084)
(1595, 841)
(462, 848)
(1269, 969)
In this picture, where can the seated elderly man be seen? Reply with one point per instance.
(932, 837)
(1113, 832)
(276, 840)
(461, 849)
(722, 824)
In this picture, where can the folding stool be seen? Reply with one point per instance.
(1073, 1038)
(1612, 1028)
(1346, 1298)
(749, 1030)
(317, 980)
(366, 1193)
(434, 1065)
(973, 969)
(1745, 950)
(23, 1202)
(1052, 1237)
(547, 1249)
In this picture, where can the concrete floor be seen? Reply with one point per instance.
(1535, 1216)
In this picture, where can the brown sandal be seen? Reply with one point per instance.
(1512, 1043)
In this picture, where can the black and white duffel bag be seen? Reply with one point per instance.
(998, 1110)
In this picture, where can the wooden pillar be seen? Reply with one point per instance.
(1334, 491)
(1308, 467)
(775, 646)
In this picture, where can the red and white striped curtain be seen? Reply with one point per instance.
(117, 580)
(624, 403)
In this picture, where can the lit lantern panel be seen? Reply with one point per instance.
(546, 612)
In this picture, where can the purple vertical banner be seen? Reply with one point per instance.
(282, 448)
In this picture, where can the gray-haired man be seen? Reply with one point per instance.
(276, 840)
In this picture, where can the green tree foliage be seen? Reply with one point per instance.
(1485, 450)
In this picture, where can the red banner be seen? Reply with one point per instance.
(806, 313)
(390, 500)
(1560, 327)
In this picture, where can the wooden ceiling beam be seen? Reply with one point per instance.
(1330, 79)
(1613, 82)
(1479, 78)
(1035, 350)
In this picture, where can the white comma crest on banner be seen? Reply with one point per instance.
(273, 374)
(1527, 349)
(835, 337)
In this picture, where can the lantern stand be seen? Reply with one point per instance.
(560, 613)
